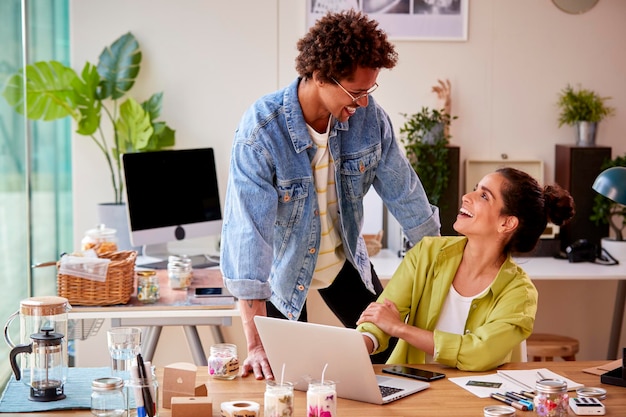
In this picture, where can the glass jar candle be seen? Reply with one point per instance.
(179, 272)
(147, 287)
(223, 361)
(107, 397)
(551, 398)
(278, 400)
(321, 399)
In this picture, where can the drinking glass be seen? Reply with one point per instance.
(124, 345)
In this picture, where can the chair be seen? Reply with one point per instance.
(545, 347)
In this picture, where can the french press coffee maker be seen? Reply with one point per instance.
(47, 367)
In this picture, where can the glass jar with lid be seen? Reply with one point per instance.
(551, 398)
(147, 286)
(179, 272)
(107, 397)
(101, 239)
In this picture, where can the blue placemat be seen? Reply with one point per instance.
(77, 389)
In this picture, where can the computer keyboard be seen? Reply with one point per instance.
(385, 390)
(197, 262)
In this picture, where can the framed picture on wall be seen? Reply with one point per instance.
(421, 20)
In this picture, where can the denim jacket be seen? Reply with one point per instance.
(271, 227)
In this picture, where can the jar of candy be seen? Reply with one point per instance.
(321, 399)
(147, 287)
(179, 272)
(101, 239)
(551, 399)
(107, 397)
(278, 401)
(223, 361)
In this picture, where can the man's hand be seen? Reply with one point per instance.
(257, 363)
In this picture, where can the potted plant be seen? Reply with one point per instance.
(584, 109)
(425, 138)
(97, 101)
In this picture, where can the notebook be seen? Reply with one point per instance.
(305, 348)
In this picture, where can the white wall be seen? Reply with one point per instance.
(213, 59)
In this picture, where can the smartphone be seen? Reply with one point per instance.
(414, 373)
(208, 292)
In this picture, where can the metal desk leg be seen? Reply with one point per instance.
(195, 345)
(149, 341)
(618, 319)
(216, 331)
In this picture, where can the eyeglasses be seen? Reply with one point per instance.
(355, 99)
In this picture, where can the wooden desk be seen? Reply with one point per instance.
(174, 308)
(443, 398)
(546, 268)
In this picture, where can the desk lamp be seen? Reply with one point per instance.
(611, 183)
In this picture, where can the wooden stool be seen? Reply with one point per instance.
(542, 346)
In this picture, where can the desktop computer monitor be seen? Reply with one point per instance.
(171, 195)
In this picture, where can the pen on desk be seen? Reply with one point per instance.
(145, 390)
(522, 400)
(540, 376)
(509, 401)
(529, 394)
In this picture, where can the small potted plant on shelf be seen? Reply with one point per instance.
(96, 100)
(425, 138)
(584, 109)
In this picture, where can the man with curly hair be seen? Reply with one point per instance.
(302, 160)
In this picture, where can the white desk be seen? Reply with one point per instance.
(547, 268)
(173, 309)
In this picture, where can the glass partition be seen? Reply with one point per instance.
(35, 163)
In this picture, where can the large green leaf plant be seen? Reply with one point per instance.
(55, 91)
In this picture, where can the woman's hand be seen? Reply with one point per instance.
(385, 315)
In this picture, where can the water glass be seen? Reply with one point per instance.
(124, 345)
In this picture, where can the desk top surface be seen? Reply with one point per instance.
(443, 398)
(538, 268)
(178, 303)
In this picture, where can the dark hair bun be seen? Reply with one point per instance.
(559, 204)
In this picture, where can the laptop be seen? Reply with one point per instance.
(305, 348)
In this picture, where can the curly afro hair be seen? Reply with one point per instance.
(340, 42)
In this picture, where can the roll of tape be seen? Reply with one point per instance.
(240, 409)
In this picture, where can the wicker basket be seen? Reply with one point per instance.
(117, 289)
(374, 243)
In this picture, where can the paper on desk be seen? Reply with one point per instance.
(510, 380)
(528, 377)
(485, 392)
(604, 368)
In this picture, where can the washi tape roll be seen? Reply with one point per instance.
(240, 409)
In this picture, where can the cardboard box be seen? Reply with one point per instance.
(179, 380)
(191, 406)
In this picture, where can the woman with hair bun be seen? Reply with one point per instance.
(462, 301)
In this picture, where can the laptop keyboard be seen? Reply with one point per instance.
(385, 390)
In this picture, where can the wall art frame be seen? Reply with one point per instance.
(412, 20)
